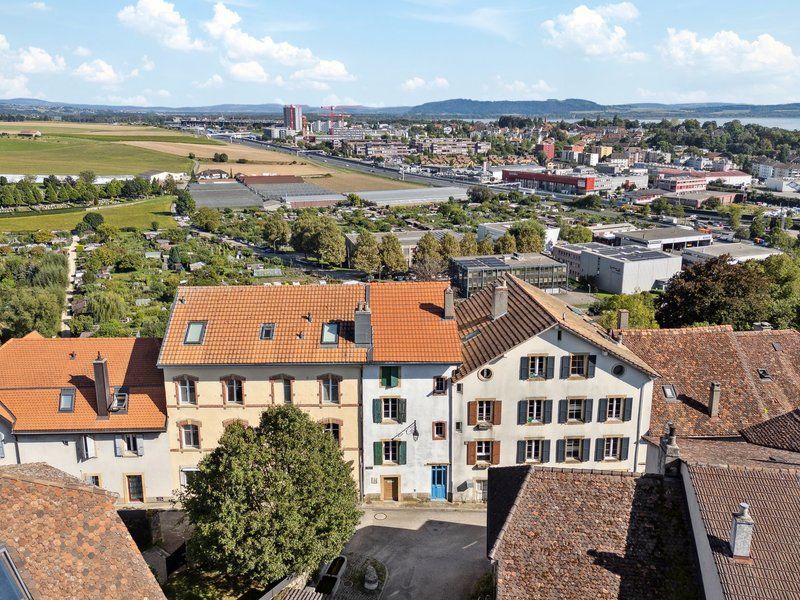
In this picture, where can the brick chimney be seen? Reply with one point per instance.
(499, 300)
(449, 307)
(714, 391)
(741, 532)
(101, 388)
(623, 318)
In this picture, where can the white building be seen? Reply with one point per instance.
(738, 252)
(539, 384)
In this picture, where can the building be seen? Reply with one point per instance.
(617, 269)
(408, 241)
(680, 184)
(406, 389)
(379, 149)
(497, 230)
(738, 252)
(62, 538)
(606, 231)
(698, 199)
(91, 407)
(293, 118)
(451, 146)
(413, 196)
(766, 168)
(541, 384)
(547, 148)
(471, 273)
(663, 238)
(162, 176)
(562, 184)
(642, 196)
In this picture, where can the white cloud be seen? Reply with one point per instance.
(163, 93)
(252, 71)
(494, 21)
(14, 86)
(212, 82)
(596, 32)
(147, 64)
(416, 83)
(160, 20)
(98, 71)
(325, 70)
(334, 100)
(41, 6)
(36, 60)
(82, 51)
(727, 52)
(4, 45)
(520, 90)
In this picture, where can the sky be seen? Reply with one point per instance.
(398, 52)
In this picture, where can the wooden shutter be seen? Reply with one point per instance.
(627, 409)
(385, 377)
(592, 365)
(377, 410)
(79, 447)
(495, 453)
(497, 412)
(472, 412)
(602, 409)
(140, 444)
(599, 449)
(471, 452)
(560, 447)
(623, 448)
(524, 368)
(522, 412)
(91, 449)
(520, 451)
(547, 413)
(401, 453)
(2, 445)
(545, 451)
(565, 367)
(587, 444)
(562, 411)
(551, 367)
(401, 410)
(118, 445)
(377, 453)
(588, 405)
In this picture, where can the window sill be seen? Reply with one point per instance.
(573, 460)
(575, 422)
(577, 377)
(534, 423)
(389, 422)
(439, 439)
(530, 461)
(536, 379)
(614, 420)
(190, 449)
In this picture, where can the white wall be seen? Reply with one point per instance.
(506, 386)
(416, 386)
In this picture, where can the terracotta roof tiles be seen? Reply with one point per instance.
(781, 432)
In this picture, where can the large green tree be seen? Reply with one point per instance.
(640, 307)
(468, 246)
(392, 258)
(329, 243)
(428, 260)
(529, 236)
(271, 501)
(277, 230)
(367, 256)
(207, 219)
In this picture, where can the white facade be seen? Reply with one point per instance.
(510, 389)
(387, 412)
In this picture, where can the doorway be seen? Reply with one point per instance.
(390, 488)
(439, 482)
(135, 488)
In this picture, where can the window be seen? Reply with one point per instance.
(618, 370)
(234, 390)
(190, 436)
(533, 450)
(330, 333)
(188, 474)
(120, 402)
(482, 490)
(485, 374)
(88, 448)
(390, 409)
(535, 413)
(578, 365)
(92, 480)
(334, 429)
(135, 487)
(390, 376)
(390, 451)
(611, 447)
(537, 367)
(440, 385)
(669, 392)
(267, 331)
(187, 391)
(287, 390)
(131, 443)
(483, 451)
(575, 410)
(572, 449)
(66, 400)
(439, 430)
(195, 332)
(485, 408)
(11, 584)
(614, 409)
(330, 389)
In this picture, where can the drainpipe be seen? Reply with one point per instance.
(361, 472)
(16, 448)
(638, 429)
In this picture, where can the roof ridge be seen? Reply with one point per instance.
(78, 486)
(603, 472)
(734, 467)
(679, 330)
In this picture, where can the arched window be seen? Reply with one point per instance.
(186, 389)
(329, 388)
(233, 389)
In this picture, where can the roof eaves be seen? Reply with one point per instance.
(159, 363)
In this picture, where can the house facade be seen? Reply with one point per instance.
(541, 385)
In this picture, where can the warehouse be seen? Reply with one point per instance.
(738, 252)
(663, 238)
(410, 197)
(471, 273)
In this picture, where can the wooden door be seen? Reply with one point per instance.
(391, 489)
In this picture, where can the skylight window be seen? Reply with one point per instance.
(11, 584)
(330, 333)
(267, 331)
(120, 399)
(669, 392)
(195, 332)
(66, 400)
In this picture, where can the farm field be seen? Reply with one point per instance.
(102, 131)
(134, 214)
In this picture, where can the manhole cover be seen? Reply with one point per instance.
(348, 583)
(380, 516)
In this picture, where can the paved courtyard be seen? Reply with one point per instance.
(428, 553)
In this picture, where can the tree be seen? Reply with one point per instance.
(277, 230)
(24, 309)
(184, 203)
(391, 253)
(428, 261)
(87, 177)
(207, 219)
(367, 256)
(93, 219)
(641, 311)
(715, 292)
(486, 246)
(505, 244)
(591, 202)
(174, 259)
(576, 234)
(758, 228)
(106, 306)
(273, 500)
(304, 231)
(468, 245)
(529, 236)
(330, 244)
(449, 246)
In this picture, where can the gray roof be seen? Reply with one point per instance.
(504, 261)
(627, 253)
(736, 250)
(414, 195)
(663, 233)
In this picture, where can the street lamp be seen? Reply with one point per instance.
(411, 428)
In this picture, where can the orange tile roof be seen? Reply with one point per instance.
(34, 369)
(407, 324)
(234, 315)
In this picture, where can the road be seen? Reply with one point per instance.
(72, 253)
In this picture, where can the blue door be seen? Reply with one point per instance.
(439, 482)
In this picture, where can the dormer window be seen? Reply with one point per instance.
(195, 332)
(330, 333)
(66, 400)
(120, 401)
(267, 331)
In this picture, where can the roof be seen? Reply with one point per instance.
(662, 233)
(408, 324)
(234, 315)
(66, 539)
(624, 253)
(782, 432)
(504, 261)
(33, 370)
(530, 312)
(721, 452)
(593, 535)
(690, 359)
(736, 250)
(413, 195)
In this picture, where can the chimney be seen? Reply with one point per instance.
(363, 325)
(623, 317)
(713, 398)
(762, 326)
(499, 300)
(449, 307)
(101, 385)
(670, 457)
(741, 532)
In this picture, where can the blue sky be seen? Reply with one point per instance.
(400, 52)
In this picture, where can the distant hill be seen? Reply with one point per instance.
(477, 109)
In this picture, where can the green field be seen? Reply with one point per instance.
(70, 156)
(176, 138)
(136, 214)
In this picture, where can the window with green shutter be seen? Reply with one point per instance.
(390, 376)
(401, 453)
(377, 453)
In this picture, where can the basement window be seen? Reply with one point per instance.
(669, 392)
(66, 400)
(195, 332)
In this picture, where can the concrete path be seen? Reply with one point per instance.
(72, 256)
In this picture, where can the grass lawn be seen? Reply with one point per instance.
(70, 156)
(135, 214)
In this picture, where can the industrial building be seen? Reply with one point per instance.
(697, 199)
(410, 197)
(738, 252)
(663, 238)
(471, 273)
(497, 230)
(408, 241)
(617, 269)
(561, 184)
